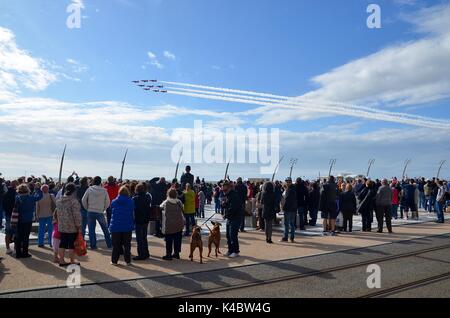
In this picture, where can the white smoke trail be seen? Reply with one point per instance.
(227, 90)
(293, 100)
(338, 109)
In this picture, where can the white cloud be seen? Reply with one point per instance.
(405, 74)
(18, 69)
(169, 55)
(157, 64)
(154, 60)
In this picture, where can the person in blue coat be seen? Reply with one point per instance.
(25, 205)
(122, 226)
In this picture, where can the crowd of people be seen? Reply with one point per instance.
(64, 211)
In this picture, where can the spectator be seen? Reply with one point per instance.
(189, 208)
(187, 178)
(347, 206)
(25, 204)
(113, 191)
(233, 213)
(142, 208)
(172, 225)
(366, 200)
(44, 214)
(384, 206)
(268, 209)
(328, 206)
(289, 208)
(122, 226)
(96, 201)
(69, 223)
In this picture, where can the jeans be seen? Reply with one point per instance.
(289, 224)
(108, 215)
(217, 205)
(93, 218)
(173, 243)
(302, 211)
(142, 242)
(440, 212)
(84, 222)
(121, 241)
(232, 235)
(422, 201)
(394, 211)
(22, 239)
(190, 220)
(45, 224)
(431, 203)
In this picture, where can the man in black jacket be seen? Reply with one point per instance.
(289, 208)
(328, 206)
(233, 215)
(302, 202)
(186, 178)
(241, 190)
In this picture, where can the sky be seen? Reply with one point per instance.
(334, 87)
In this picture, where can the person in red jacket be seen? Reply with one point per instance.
(395, 201)
(113, 192)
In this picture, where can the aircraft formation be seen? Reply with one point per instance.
(154, 88)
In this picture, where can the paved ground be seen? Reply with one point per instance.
(158, 278)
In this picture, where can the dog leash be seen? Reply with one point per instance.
(208, 219)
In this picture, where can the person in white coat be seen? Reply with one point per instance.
(96, 201)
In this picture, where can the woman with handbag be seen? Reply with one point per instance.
(69, 223)
(22, 218)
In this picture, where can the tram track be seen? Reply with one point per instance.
(257, 283)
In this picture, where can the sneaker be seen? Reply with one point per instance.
(167, 258)
(333, 234)
(129, 264)
(292, 240)
(233, 255)
(269, 242)
(137, 258)
(325, 233)
(113, 264)
(227, 254)
(284, 240)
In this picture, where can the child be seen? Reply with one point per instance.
(56, 239)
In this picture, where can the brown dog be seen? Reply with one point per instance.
(214, 238)
(196, 241)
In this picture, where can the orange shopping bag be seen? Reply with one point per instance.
(80, 245)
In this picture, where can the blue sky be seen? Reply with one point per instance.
(61, 85)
